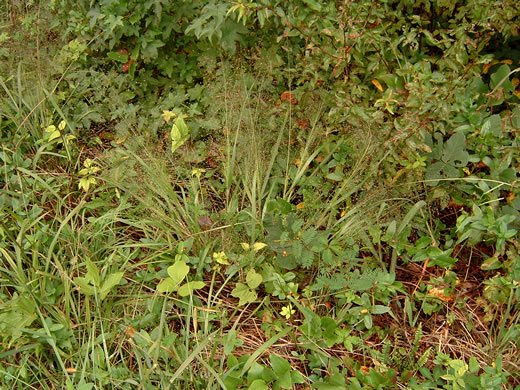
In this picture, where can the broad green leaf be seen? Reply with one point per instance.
(335, 176)
(491, 263)
(54, 135)
(93, 273)
(84, 285)
(500, 76)
(253, 278)
(368, 321)
(111, 281)
(258, 384)
(178, 272)
(280, 365)
(180, 133)
(244, 294)
(116, 56)
(166, 285)
(492, 126)
(454, 152)
(380, 309)
(443, 261)
(187, 288)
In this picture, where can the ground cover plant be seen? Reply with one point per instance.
(256, 195)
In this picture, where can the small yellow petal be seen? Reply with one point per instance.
(300, 205)
(245, 246)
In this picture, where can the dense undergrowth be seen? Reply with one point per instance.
(292, 194)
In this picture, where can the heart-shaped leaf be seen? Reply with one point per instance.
(178, 271)
(187, 288)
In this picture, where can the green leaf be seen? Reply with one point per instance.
(368, 321)
(187, 288)
(280, 365)
(84, 285)
(116, 56)
(501, 75)
(313, 4)
(178, 272)
(454, 152)
(111, 281)
(380, 309)
(253, 279)
(473, 365)
(444, 261)
(492, 126)
(93, 273)
(55, 134)
(258, 384)
(180, 133)
(335, 176)
(335, 382)
(244, 294)
(491, 263)
(166, 285)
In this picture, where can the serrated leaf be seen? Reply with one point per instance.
(187, 288)
(253, 279)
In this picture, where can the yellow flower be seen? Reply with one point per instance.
(287, 311)
(197, 172)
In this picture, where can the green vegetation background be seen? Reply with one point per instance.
(273, 194)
